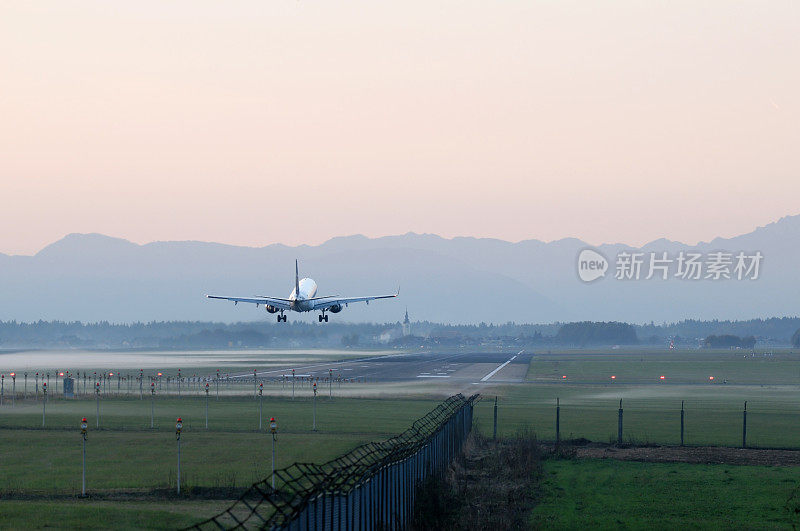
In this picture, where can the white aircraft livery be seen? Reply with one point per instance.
(303, 299)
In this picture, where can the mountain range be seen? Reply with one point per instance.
(92, 277)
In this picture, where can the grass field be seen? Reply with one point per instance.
(590, 399)
(608, 494)
(132, 468)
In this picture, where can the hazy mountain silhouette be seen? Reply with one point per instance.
(92, 277)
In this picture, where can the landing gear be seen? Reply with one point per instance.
(281, 317)
(322, 317)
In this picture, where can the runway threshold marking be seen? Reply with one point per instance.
(485, 378)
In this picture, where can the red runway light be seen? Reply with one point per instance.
(564, 376)
(661, 377)
(710, 377)
(613, 377)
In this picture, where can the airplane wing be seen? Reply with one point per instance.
(322, 303)
(283, 304)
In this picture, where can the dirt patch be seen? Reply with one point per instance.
(692, 454)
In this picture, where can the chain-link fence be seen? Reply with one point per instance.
(371, 487)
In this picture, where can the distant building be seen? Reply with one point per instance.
(406, 325)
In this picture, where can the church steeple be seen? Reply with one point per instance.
(406, 325)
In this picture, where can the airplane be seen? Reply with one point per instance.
(303, 299)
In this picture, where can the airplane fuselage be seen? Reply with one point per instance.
(307, 290)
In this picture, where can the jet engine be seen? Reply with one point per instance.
(271, 309)
(336, 308)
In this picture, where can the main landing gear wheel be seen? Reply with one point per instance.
(322, 318)
(281, 318)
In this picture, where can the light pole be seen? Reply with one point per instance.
(13, 388)
(260, 403)
(330, 384)
(206, 405)
(25, 387)
(37, 386)
(273, 429)
(179, 383)
(314, 428)
(141, 384)
(2, 387)
(152, 402)
(178, 428)
(97, 400)
(292, 384)
(217, 384)
(44, 402)
(84, 426)
(255, 383)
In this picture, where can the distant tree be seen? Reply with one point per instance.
(796, 338)
(729, 341)
(350, 340)
(592, 333)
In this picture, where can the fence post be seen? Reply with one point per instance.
(682, 412)
(619, 424)
(744, 425)
(558, 421)
(494, 435)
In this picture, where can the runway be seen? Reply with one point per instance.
(479, 368)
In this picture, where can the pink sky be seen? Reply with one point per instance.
(294, 120)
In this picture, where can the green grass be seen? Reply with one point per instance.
(92, 514)
(229, 414)
(713, 415)
(608, 494)
(677, 366)
(125, 457)
(590, 399)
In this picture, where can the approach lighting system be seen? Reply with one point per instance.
(84, 427)
(273, 425)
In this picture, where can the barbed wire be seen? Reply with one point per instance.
(297, 485)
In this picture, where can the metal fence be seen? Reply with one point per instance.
(371, 487)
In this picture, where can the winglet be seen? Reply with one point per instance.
(397, 294)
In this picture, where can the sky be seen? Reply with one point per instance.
(294, 121)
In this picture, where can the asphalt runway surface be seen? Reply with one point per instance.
(487, 368)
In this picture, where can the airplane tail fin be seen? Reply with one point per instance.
(296, 279)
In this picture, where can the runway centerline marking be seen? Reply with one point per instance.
(485, 378)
